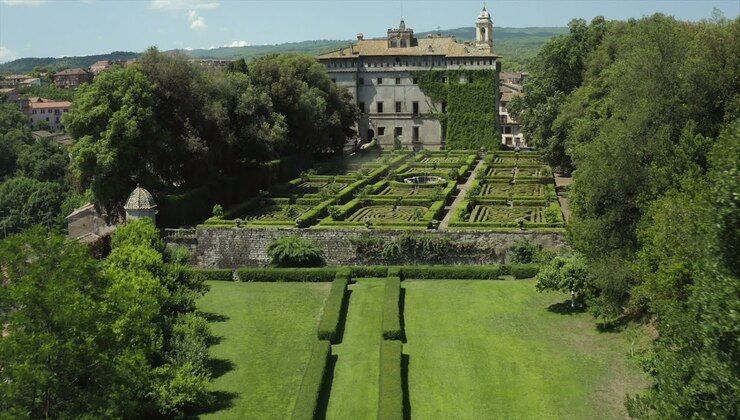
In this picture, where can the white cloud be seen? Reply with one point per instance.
(183, 4)
(238, 44)
(31, 3)
(196, 22)
(6, 54)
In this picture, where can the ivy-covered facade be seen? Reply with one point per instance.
(422, 93)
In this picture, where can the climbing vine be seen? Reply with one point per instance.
(469, 120)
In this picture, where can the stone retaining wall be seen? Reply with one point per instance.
(240, 247)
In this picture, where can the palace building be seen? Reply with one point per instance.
(380, 75)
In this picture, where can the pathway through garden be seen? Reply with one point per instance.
(461, 193)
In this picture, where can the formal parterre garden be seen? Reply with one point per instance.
(407, 342)
(512, 190)
(413, 191)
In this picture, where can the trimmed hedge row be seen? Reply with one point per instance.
(325, 274)
(329, 325)
(524, 271)
(390, 401)
(391, 317)
(317, 274)
(454, 272)
(307, 403)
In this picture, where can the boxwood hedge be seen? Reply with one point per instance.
(391, 314)
(331, 318)
(307, 403)
(390, 401)
(287, 274)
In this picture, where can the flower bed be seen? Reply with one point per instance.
(380, 213)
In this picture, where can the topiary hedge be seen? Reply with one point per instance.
(524, 271)
(391, 309)
(316, 274)
(307, 403)
(482, 272)
(331, 318)
(390, 393)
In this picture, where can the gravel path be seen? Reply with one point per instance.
(461, 193)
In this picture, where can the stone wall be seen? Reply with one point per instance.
(239, 247)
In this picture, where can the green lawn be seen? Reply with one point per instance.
(266, 332)
(354, 391)
(492, 349)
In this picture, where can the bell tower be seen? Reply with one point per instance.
(484, 30)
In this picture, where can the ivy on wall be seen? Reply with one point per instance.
(470, 118)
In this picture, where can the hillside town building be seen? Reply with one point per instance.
(509, 88)
(50, 111)
(380, 76)
(19, 80)
(72, 78)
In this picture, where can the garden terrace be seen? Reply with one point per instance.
(395, 189)
(399, 213)
(304, 200)
(537, 190)
(408, 342)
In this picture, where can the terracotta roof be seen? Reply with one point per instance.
(140, 199)
(70, 72)
(49, 104)
(434, 46)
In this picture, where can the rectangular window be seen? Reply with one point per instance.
(415, 107)
(381, 131)
(380, 107)
(398, 132)
(507, 129)
(416, 133)
(361, 81)
(398, 107)
(398, 80)
(380, 80)
(362, 106)
(415, 80)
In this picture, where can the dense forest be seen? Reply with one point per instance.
(645, 114)
(517, 46)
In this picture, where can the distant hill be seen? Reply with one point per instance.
(516, 45)
(24, 65)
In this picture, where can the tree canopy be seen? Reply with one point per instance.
(166, 123)
(647, 114)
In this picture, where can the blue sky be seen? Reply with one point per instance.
(42, 28)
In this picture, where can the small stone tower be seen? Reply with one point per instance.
(484, 30)
(140, 204)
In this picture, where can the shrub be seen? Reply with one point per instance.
(411, 248)
(307, 403)
(391, 316)
(524, 252)
(390, 401)
(218, 211)
(331, 319)
(194, 274)
(524, 271)
(294, 251)
(552, 213)
(177, 254)
(287, 274)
